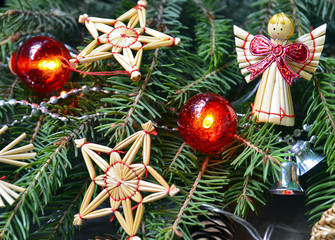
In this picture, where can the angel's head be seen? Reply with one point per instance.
(280, 26)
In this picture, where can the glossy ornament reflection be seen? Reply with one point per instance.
(40, 64)
(288, 183)
(207, 122)
(306, 158)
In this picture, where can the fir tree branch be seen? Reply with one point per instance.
(7, 13)
(244, 192)
(36, 178)
(37, 128)
(211, 20)
(12, 12)
(183, 90)
(10, 89)
(189, 197)
(249, 144)
(266, 17)
(324, 102)
(68, 211)
(294, 13)
(160, 12)
(210, 16)
(12, 38)
(140, 93)
(175, 158)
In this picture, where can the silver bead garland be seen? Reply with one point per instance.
(290, 139)
(43, 108)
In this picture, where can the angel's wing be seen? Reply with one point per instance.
(314, 41)
(244, 57)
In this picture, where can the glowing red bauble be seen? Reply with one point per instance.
(39, 64)
(207, 122)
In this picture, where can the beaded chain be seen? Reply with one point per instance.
(43, 108)
(290, 140)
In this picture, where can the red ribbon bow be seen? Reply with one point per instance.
(261, 45)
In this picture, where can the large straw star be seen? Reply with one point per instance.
(119, 40)
(122, 181)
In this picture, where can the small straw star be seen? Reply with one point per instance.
(120, 40)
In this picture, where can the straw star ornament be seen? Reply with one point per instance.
(120, 40)
(122, 181)
(13, 157)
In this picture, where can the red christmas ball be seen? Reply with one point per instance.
(207, 122)
(39, 64)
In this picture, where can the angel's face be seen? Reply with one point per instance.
(279, 31)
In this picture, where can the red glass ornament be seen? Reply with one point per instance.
(207, 122)
(39, 64)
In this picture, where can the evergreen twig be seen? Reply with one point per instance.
(10, 89)
(189, 197)
(183, 90)
(141, 91)
(210, 16)
(67, 212)
(175, 158)
(37, 128)
(324, 101)
(249, 144)
(266, 17)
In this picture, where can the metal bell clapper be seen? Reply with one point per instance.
(288, 183)
(306, 159)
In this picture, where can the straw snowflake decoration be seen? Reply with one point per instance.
(13, 157)
(122, 181)
(118, 37)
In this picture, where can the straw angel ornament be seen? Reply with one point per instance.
(280, 62)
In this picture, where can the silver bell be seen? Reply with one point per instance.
(288, 183)
(306, 159)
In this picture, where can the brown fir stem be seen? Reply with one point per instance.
(249, 144)
(13, 12)
(3, 42)
(324, 101)
(175, 158)
(210, 16)
(189, 197)
(37, 128)
(294, 13)
(183, 90)
(244, 192)
(139, 94)
(10, 89)
(211, 21)
(266, 17)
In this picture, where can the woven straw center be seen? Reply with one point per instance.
(121, 181)
(122, 37)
